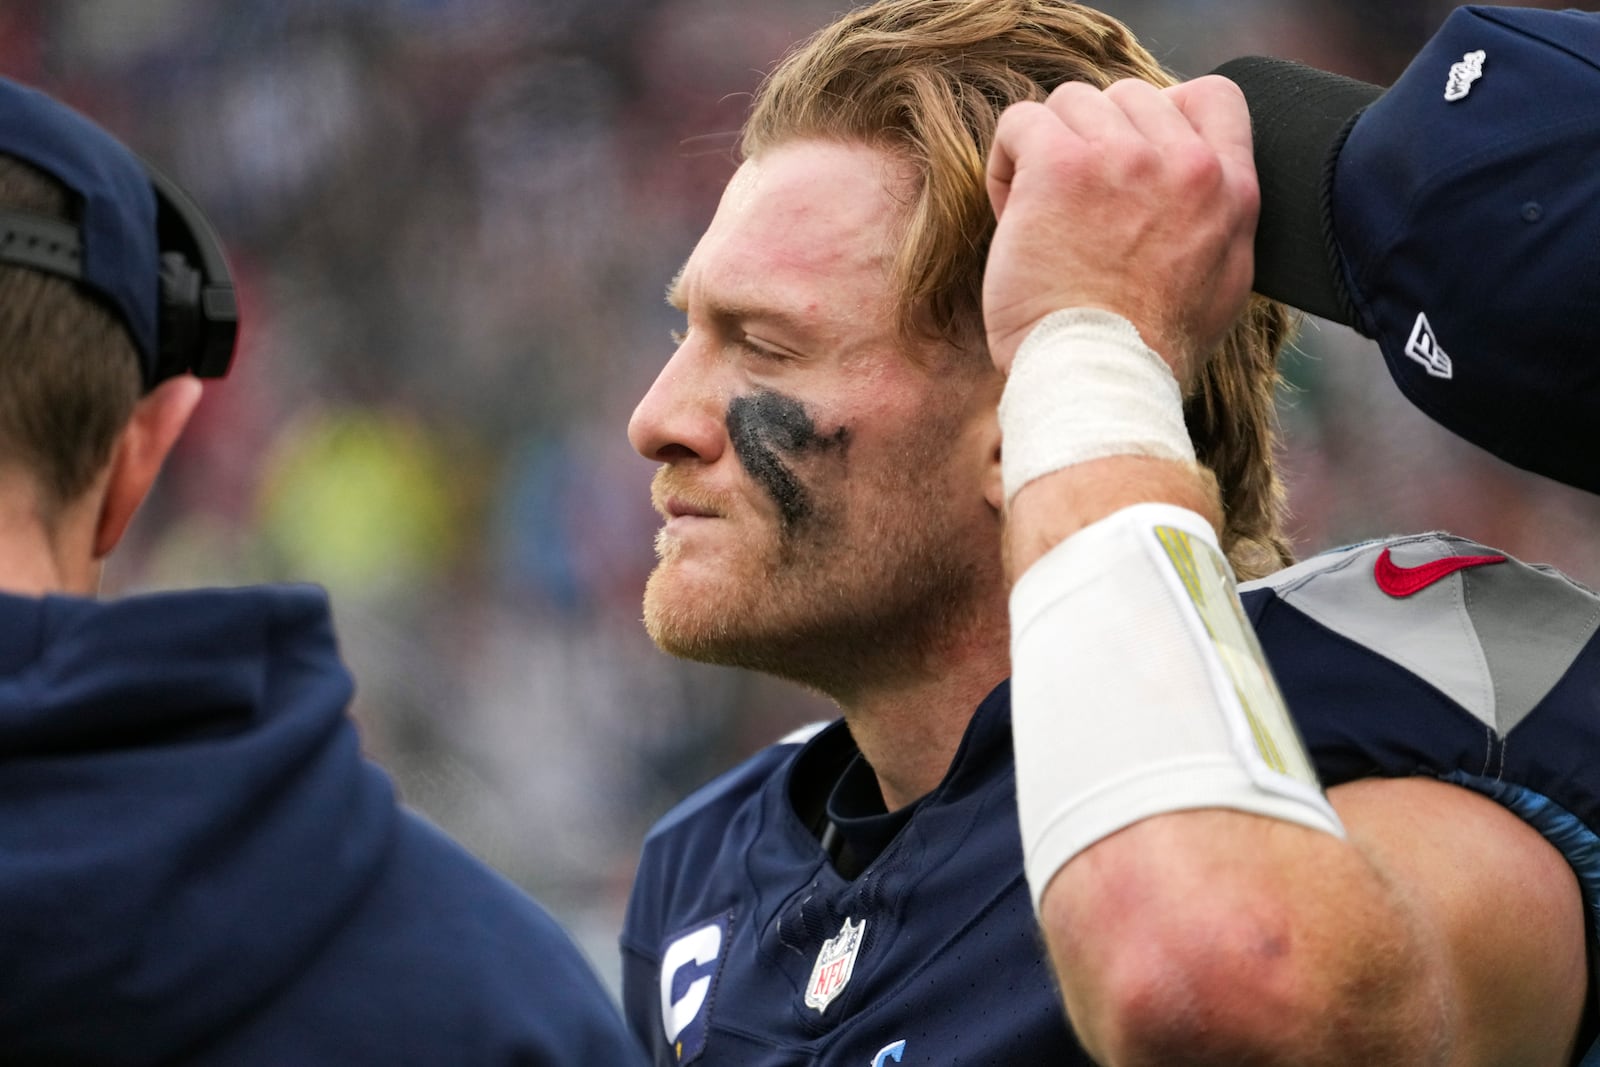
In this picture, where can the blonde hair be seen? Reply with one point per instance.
(927, 80)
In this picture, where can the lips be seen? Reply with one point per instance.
(674, 498)
(680, 509)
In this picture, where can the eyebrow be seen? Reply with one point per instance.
(742, 311)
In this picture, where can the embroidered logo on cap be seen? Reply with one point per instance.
(836, 962)
(1463, 74)
(1424, 348)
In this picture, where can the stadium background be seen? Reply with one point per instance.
(452, 221)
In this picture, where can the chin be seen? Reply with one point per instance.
(712, 618)
(729, 623)
(684, 616)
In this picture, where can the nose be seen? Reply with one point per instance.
(682, 416)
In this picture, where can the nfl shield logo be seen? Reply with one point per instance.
(835, 963)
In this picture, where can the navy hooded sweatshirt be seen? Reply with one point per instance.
(198, 867)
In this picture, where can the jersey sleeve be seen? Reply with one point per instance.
(1434, 655)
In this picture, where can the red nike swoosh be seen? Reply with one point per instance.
(1403, 581)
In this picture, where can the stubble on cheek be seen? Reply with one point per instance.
(770, 431)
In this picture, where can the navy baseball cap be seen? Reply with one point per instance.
(1455, 219)
(139, 243)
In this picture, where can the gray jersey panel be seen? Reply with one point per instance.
(1531, 623)
(1495, 639)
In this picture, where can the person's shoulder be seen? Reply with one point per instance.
(180, 615)
(1435, 654)
(713, 803)
(469, 908)
(699, 850)
(510, 969)
(1401, 566)
(441, 959)
(1486, 628)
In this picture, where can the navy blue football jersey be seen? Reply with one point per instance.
(780, 916)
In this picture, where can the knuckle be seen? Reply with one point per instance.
(1025, 119)
(1072, 96)
(1021, 112)
(1071, 90)
(1247, 194)
(1221, 87)
(1130, 90)
(1135, 159)
(1196, 165)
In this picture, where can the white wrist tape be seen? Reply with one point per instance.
(1085, 386)
(1138, 688)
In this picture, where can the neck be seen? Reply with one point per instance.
(909, 729)
(42, 554)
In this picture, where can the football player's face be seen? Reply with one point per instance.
(823, 485)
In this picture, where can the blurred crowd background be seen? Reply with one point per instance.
(452, 222)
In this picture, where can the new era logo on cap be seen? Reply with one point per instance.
(1471, 187)
(1424, 348)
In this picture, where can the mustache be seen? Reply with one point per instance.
(675, 484)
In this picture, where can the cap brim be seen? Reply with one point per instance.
(1299, 116)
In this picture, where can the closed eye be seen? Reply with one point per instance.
(758, 350)
(751, 348)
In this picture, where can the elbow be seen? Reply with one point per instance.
(1213, 992)
(1258, 988)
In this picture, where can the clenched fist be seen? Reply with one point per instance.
(1137, 200)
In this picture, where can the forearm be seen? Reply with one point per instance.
(1218, 937)
(1050, 509)
(1201, 900)
(1192, 931)
(1212, 936)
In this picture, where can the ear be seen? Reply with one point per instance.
(136, 458)
(994, 491)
